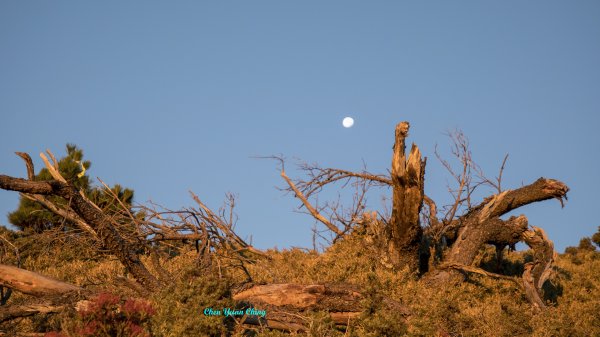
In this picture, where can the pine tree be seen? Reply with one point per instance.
(31, 216)
(596, 237)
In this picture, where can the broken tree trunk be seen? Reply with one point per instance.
(32, 283)
(404, 230)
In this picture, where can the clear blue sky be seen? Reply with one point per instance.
(170, 96)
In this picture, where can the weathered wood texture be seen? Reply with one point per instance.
(404, 230)
(537, 271)
(13, 312)
(316, 296)
(32, 283)
(482, 223)
(285, 304)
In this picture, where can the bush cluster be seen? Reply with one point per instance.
(109, 315)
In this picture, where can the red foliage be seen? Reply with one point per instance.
(89, 329)
(136, 330)
(54, 334)
(136, 306)
(109, 315)
(102, 303)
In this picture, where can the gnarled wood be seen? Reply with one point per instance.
(538, 271)
(404, 230)
(482, 224)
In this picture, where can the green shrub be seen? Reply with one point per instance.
(180, 306)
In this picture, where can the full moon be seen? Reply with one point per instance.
(348, 122)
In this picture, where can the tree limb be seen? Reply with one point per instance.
(32, 283)
(308, 206)
(12, 312)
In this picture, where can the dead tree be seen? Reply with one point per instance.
(404, 227)
(403, 230)
(465, 235)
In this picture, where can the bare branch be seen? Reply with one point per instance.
(308, 206)
(68, 214)
(480, 271)
(28, 164)
(13, 312)
(52, 168)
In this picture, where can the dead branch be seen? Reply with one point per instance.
(63, 212)
(480, 271)
(28, 163)
(482, 225)
(460, 150)
(316, 296)
(319, 177)
(225, 227)
(32, 283)
(308, 206)
(537, 271)
(12, 312)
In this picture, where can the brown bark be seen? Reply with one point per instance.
(92, 215)
(537, 271)
(404, 230)
(482, 225)
(479, 224)
(12, 312)
(316, 296)
(32, 283)
(472, 237)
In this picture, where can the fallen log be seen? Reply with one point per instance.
(315, 296)
(286, 304)
(32, 283)
(12, 312)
